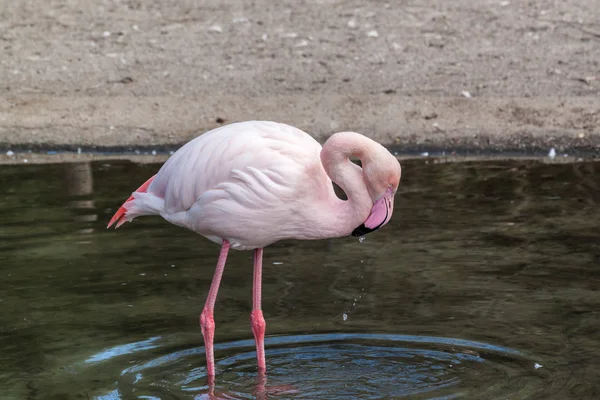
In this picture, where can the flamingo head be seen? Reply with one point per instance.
(382, 177)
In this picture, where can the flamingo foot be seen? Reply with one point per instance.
(207, 324)
(258, 329)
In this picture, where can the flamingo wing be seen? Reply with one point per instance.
(225, 154)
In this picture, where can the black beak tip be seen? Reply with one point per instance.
(361, 231)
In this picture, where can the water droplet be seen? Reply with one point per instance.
(361, 239)
(345, 316)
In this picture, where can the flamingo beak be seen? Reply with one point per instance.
(381, 213)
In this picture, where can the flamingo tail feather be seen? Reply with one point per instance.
(119, 216)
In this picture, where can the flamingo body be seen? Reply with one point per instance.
(231, 182)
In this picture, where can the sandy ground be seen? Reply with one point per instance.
(497, 75)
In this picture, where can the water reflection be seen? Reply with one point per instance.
(80, 187)
(503, 253)
(128, 348)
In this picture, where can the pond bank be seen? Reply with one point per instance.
(146, 157)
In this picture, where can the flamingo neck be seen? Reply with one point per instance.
(335, 156)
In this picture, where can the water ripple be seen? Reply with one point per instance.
(329, 365)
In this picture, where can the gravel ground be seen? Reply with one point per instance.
(428, 74)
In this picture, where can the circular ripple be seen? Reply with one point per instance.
(337, 366)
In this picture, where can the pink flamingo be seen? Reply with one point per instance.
(250, 184)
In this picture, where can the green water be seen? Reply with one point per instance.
(484, 285)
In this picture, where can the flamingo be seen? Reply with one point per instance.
(250, 184)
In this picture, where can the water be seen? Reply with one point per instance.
(483, 286)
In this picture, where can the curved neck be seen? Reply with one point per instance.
(335, 157)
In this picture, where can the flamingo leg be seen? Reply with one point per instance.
(256, 317)
(207, 321)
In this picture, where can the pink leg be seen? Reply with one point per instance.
(207, 321)
(256, 318)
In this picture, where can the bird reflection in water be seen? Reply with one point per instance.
(261, 390)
